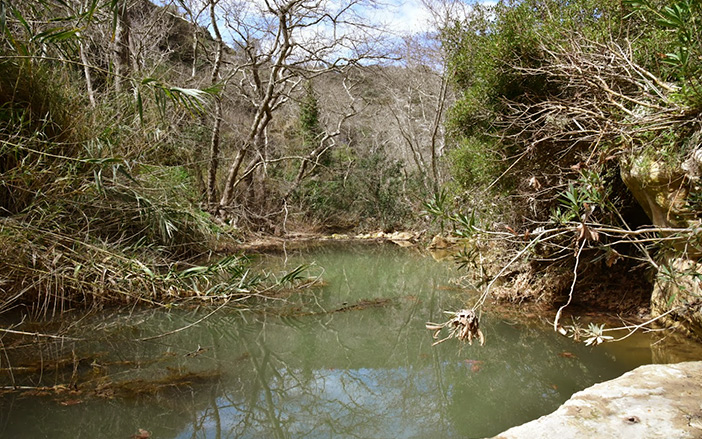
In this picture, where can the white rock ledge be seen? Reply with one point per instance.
(653, 401)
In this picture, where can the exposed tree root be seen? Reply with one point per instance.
(464, 325)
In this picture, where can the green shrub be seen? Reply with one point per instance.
(474, 162)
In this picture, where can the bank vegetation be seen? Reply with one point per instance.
(139, 140)
(582, 119)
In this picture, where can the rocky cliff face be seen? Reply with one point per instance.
(660, 190)
(653, 401)
(664, 193)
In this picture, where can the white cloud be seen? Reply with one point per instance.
(412, 16)
(409, 17)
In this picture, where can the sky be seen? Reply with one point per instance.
(403, 17)
(400, 17)
(408, 17)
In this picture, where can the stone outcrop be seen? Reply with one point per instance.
(659, 190)
(680, 292)
(663, 193)
(653, 401)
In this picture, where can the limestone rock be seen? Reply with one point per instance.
(660, 191)
(439, 242)
(653, 401)
(663, 192)
(684, 290)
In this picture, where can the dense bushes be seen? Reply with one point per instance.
(357, 192)
(555, 88)
(557, 102)
(84, 219)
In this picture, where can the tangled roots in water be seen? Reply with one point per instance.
(464, 325)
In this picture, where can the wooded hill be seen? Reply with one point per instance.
(137, 137)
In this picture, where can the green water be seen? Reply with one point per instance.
(305, 372)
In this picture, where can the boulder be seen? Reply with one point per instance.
(439, 242)
(652, 401)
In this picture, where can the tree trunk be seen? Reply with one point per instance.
(214, 154)
(258, 129)
(121, 45)
(229, 185)
(214, 144)
(435, 131)
(88, 76)
(220, 45)
(193, 73)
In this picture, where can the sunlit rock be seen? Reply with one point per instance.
(653, 401)
(663, 192)
(439, 242)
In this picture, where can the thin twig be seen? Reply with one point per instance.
(632, 329)
(483, 296)
(38, 334)
(154, 337)
(572, 287)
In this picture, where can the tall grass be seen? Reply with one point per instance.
(83, 221)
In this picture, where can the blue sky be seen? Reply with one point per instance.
(411, 16)
(358, 35)
(402, 16)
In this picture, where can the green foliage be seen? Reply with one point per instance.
(499, 58)
(309, 117)
(582, 197)
(593, 335)
(354, 189)
(474, 162)
(501, 61)
(294, 275)
(682, 25)
(440, 208)
(84, 218)
(39, 125)
(488, 50)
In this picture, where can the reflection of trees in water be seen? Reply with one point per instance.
(369, 373)
(279, 401)
(360, 373)
(325, 376)
(276, 397)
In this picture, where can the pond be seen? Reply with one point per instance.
(350, 358)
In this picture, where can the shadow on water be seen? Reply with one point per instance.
(351, 359)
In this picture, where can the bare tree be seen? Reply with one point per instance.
(193, 10)
(121, 51)
(419, 95)
(278, 45)
(217, 126)
(330, 129)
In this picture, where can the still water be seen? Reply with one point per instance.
(318, 365)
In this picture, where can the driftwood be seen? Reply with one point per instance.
(464, 325)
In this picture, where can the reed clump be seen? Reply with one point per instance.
(84, 219)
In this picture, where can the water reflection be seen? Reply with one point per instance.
(301, 372)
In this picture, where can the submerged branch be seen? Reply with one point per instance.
(40, 335)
